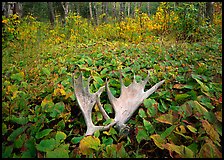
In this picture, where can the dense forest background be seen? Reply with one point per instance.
(43, 43)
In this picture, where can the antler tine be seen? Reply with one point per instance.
(153, 88)
(146, 79)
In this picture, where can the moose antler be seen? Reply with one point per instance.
(130, 99)
(86, 101)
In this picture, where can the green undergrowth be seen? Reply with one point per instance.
(183, 117)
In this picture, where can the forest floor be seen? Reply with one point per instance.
(183, 118)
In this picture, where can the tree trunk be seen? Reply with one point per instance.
(51, 13)
(209, 12)
(129, 7)
(148, 8)
(64, 13)
(135, 4)
(90, 10)
(96, 12)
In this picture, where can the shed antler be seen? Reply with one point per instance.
(86, 101)
(130, 99)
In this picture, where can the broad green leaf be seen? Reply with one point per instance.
(162, 107)
(192, 129)
(88, 144)
(203, 86)
(210, 131)
(158, 140)
(166, 118)
(179, 97)
(111, 131)
(19, 141)
(76, 140)
(58, 109)
(148, 126)
(60, 136)
(107, 141)
(31, 148)
(12, 137)
(98, 80)
(104, 71)
(149, 102)
(46, 71)
(193, 147)
(61, 125)
(97, 133)
(46, 145)
(198, 107)
(4, 129)
(18, 76)
(7, 152)
(108, 108)
(43, 133)
(108, 121)
(210, 116)
(142, 134)
(58, 153)
(168, 131)
(205, 101)
(142, 113)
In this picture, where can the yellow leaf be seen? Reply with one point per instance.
(88, 144)
(210, 131)
(219, 115)
(192, 129)
(158, 140)
(68, 95)
(14, 95)
(166, 118)
(62, 92)
(182, 150)
(56, 91)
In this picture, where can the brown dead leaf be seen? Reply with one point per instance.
(210, 131)
(219, 115)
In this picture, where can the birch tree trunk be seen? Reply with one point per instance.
(135, 5)
(148, 8)
(90, 10)
(129, 7)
